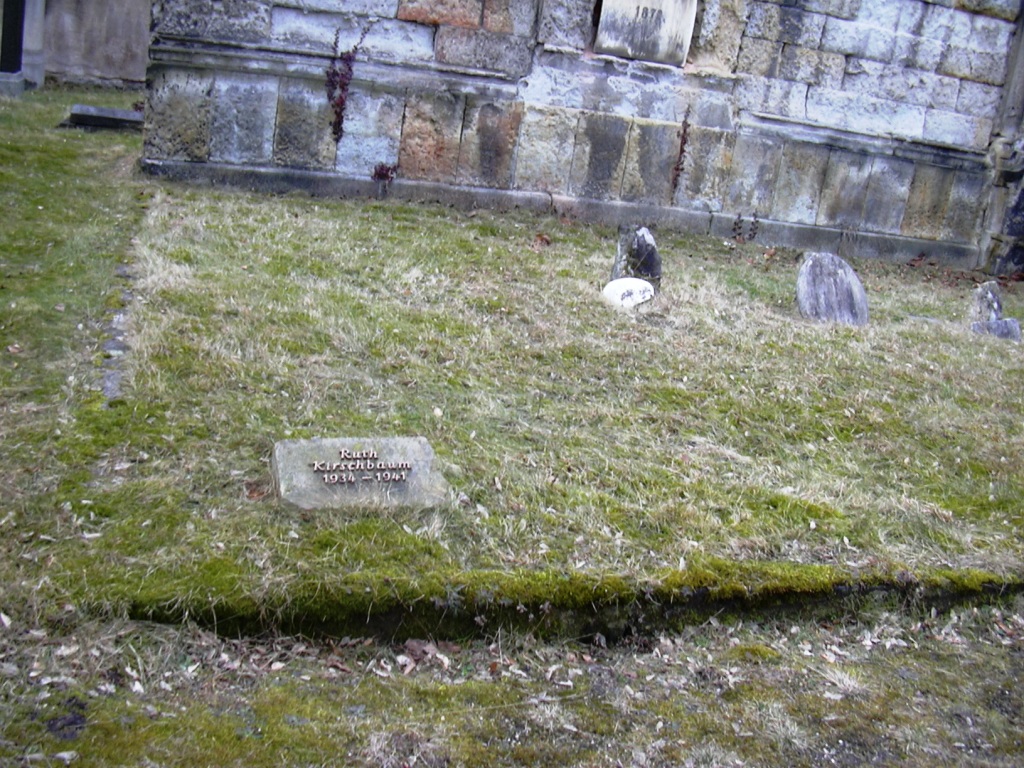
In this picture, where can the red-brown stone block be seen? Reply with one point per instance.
(430, 138)
(458, 13)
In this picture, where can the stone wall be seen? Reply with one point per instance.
(865, 127)
(102, 41)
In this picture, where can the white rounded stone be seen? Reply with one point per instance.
(627, 292)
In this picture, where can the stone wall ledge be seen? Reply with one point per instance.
(845, 243)
(287, 62)
(930, 153)
(853, 244)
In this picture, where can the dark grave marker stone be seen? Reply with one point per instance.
(84, 116)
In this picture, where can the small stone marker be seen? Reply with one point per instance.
(986, 314)
(829, 291)
(1004, 328)
(85, 116)
(637, 256)
(987, 304)
(337, 473)
(627, 292)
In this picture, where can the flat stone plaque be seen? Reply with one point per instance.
(650, 30)
(340, 472)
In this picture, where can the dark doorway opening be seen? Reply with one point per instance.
(12, 38)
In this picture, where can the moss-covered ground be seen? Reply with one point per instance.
(705, 532)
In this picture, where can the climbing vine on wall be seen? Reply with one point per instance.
(339, 78)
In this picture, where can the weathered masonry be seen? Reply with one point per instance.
(863, 127)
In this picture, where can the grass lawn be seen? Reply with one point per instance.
(726, 495)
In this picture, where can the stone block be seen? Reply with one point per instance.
(243, 111)
(911, 17)
(864, 114)
(376, 8)
(489, 138)
(566, 23)
(510, 17)
(770, 21)
(721, 30)
(990, 35)
(842, 9)
(759, 57)
(652, 163)
(845, 191)
(401, 41)
(1013, 224)
(557, 80)
(966, 209)
(897, 83)
(709, 109)
(804, 65)
(956, 129)
(774, 97)
(802, 171)
(754, 174)
(547, 138)
(887, 192)
(852, 38)
(482, 50)
(884, 14)
(967, 64)
(599, 156)
(296, 27)
(12, 84)
(238, 21)
(431, 135)
(1007, 10)
(917, 52)
(380, 39)
(459, 13)
(366, 473)
(178, 116)
(707, 167)
(302, 135)
(978, 99)
(927, 202)
(373, 132)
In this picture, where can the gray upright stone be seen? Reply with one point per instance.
(829, 291)
(986, 315)
(637, 256)
(383, 473)
(987, 305)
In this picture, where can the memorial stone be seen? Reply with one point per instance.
(338, 473)
(637, 256)
(829, 291)
(987, 305)
(986, 314)
(628, 292)
(651, 30)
